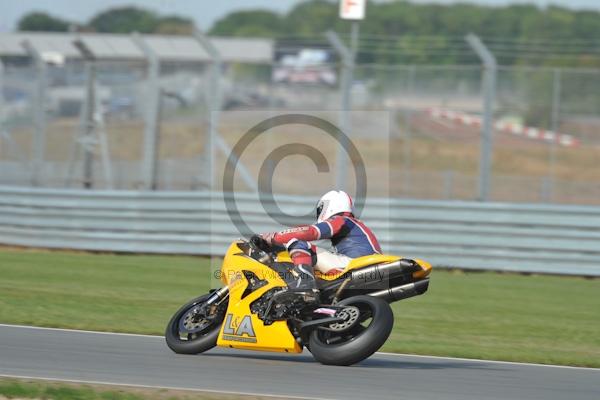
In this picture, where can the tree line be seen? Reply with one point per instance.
(115, 20)
(393, 32)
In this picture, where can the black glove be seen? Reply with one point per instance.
(260, 243)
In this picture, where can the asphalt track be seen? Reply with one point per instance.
(139, 360)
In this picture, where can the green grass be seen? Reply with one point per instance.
(42, 390)
(27, 389)
(545, 319)
(105, 292)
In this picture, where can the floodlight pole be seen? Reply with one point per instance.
(39, 139)
(490, 71)
(347, 57)
(151, 116)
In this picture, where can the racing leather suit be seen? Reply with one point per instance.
(350, 237)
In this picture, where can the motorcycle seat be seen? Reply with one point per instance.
(356, 263)
(371, 259)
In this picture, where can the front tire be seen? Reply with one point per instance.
(184, 335)
(359, 341)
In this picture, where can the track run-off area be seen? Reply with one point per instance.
(139, 360)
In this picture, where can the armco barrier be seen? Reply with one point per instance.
(495, 236)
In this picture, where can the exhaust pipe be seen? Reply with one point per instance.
(402, 292)
(376, 274)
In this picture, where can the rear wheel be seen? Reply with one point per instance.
(194, 328)
(367, 325)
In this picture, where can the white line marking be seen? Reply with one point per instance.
(379, 352)
(133, 385)
(80, 330)
(488, 361)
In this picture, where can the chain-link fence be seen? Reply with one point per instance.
(546, 137)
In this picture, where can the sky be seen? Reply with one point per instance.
(204, 12)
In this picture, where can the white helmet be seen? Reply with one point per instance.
(333, 202)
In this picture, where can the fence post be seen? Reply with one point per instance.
(215, 102)
(215, 141)
(407, 137)
(556, 93)
(39, 139)
(2, 109)
(3, 133)
(91, 130)
(545, 189)
(347, 56)
(86, 133)
(490, 71)
(448, 184)
(151, 115)
(13, 148)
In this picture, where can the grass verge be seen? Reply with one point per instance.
(542, 319)
(34, 389)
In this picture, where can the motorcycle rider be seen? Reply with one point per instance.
(350, 238)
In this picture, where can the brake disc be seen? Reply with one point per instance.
(350, 314)
(193, 322)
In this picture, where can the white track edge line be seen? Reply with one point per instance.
(140, 386)
(481, 360)
(379, 352)
(44, 328)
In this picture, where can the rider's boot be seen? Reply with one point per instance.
(304, 283)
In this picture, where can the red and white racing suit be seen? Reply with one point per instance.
(350, 238)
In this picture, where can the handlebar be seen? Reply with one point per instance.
(260, 245)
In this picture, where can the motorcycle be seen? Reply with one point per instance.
(255, 309)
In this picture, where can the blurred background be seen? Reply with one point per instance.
(112, 96)
(478, 124)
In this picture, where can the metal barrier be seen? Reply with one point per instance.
(487, 236)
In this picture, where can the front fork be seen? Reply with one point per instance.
(208, 309)
(217, 296)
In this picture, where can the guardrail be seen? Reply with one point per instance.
(494, 236)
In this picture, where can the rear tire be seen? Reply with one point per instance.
(358, 342)
(199, 342)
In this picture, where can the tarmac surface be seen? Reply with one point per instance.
(139, 360)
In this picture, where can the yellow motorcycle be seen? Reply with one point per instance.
(255, 309)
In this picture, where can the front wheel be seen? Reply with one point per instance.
(368, 323)
(194, 329)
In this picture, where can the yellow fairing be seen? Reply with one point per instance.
(425, 269)
(242, 329)
(284, 256)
